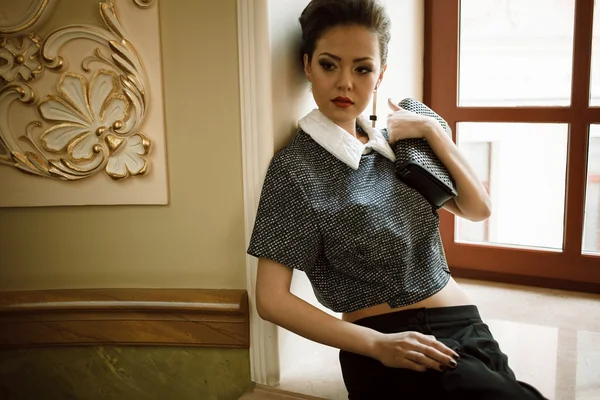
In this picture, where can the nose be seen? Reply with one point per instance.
(344, 82)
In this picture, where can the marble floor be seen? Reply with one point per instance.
(552, 339)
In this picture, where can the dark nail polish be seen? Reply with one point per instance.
(456, 356)
(453, 363)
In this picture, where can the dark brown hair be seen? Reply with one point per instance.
(322, 15)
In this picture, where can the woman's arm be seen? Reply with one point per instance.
(275, 303)
(472, 202)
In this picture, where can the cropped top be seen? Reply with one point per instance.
(332, 207)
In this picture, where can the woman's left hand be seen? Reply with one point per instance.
(473, 202)
(404, 124)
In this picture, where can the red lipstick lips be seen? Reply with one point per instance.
(342, 102)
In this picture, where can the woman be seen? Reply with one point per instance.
(332, 207)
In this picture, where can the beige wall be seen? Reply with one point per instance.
(196, 241)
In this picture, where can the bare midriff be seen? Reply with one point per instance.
(450, 295)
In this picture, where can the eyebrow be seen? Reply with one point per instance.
(340, 59)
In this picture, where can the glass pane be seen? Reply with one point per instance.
(523, 166)
(591, 227)
(479, 156)
(595, 78)
(510, 50)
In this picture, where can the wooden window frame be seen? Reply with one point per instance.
(569, 269)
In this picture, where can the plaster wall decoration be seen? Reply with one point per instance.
(81, 103)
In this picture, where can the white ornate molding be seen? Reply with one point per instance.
(88, 124)
(20, 58)
(257, 150)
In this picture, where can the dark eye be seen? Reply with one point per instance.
(327, 66)
(364, 70)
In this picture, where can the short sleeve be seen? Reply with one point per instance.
(285, 229)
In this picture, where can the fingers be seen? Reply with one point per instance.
(418, 352)
(393, 106)
(415, 366)
(427, 362)
(434, 358)
(433, 353)
(441, 347)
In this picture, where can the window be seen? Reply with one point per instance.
(510, 50)
(519, 83)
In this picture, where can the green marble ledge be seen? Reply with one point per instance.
(123, 372)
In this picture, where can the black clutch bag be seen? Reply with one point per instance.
(418, 166)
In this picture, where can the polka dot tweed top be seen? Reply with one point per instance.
(334, 209)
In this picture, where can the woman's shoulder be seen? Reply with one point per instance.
(298, 156)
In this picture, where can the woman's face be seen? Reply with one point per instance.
(344, 71)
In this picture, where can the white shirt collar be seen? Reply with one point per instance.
(340, 143)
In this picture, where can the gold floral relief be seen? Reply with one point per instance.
(85, 124)
(19, 58)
